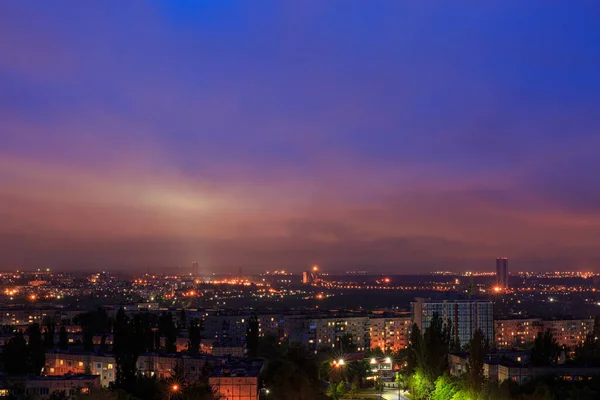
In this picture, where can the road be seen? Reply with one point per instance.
(392, 394)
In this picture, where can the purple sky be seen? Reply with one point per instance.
(399, 136)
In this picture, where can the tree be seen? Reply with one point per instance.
(401, 380)
(355, 388)
(379, 386)
(445, 388)
(182, 319)
(63, 340)
(59, 395)
(336, 390)
(420, 385)
(347, 343)
(357, 371)
(49, 334)
(545, 350)
(414, 354)
(292, 374)
(195, 336)
(252, 336)
(475, 363)
(435, 348)
(15, 355)
(166, 328)
(36, 351)
(125, 350)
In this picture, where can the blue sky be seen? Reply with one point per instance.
(390, 135)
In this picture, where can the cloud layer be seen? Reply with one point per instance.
(400, 137)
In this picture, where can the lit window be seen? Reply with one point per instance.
(110, 366)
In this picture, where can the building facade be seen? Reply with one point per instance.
(516, 333)
(521, 332)
(331, 333)
(569, 332)
(42, 387)
(502, 272)
(466, 316)
(149, 364)
(389, 333)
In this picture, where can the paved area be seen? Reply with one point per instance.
(392, 394)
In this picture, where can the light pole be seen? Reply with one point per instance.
(174, 390)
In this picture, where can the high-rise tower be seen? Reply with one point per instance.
(502, 272)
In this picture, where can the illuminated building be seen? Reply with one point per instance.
(317, 333)
(195, 268)
(389, 333)
(517, 332)
(522, 332)
(45, 387)
(238, 381)
(502, 272)
(149, 364)
(231, 329)
(466, 316)
(569, 332)
(311, 276)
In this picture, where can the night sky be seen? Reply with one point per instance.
(397, 136)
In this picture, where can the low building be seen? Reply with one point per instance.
(193, 366)
(228, 350)
(458, 362)
(519, 373)
(237, 381)
(382, 368)
(42, 387)
(61, 363)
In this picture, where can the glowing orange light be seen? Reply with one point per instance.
(315, 268)
(175, 388)
(497, 289)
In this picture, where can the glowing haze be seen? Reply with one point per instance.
(397, 136)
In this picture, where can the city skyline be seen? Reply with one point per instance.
(398, 137)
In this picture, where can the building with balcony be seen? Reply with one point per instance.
(465, 316)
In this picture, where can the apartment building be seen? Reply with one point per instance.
(516, 332)
(42, 387)
(389, 333)
(466, 316)
(328, 332)
(150, 364)
(569, 332)
(521, 332)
